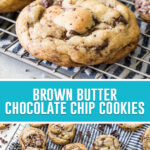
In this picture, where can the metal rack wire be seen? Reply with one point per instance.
(81, 136)
(124, 70)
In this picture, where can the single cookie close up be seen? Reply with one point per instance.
(143, 8)
(106, 142)
(12, 5)
(130, 127)
(74, 146)
(79, 32)
(32, 138)
(61, 133)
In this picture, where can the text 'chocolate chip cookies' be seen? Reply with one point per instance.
(61, 133)
(13, 5)
(32, 139)
(79, 32)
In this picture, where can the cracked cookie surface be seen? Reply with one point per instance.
(143, 8)
(130, 127)
(78, 32)
(13, 5)
(61, 133)
(32, 138)
(74, 146)
(106, 142)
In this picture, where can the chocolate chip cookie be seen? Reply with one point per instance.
(146, 139)
(37, 125)
(143, 8)
(130, 127)
(74, 146)
(12, 5)
(61, 133)
(32, 138)
(78, 32)
(106, 142)
(3, 126)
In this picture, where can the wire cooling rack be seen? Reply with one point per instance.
(135, 65)
(87, 133)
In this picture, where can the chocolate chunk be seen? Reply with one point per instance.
(109, 125)
(102, 46)
(115, 133)
(119, 19)
(95, 20)
(88, 134)
(73, 32)
(101, 127)
(80, 135)
(47, 3)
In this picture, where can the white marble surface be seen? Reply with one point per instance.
(14, 69)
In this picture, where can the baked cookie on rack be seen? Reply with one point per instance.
(78, 32)
(61, 133)
(3, 126)
(146, 139)
(130, 127)
(143, 8)
(106, 142)
(74, 146)
(32, 138)
(12, 5)
(37, 125)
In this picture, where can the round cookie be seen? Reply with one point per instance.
(61, 133)
(74, 146)
(106, 142)
(130, 127)
(3, 126)
(143, 8)
(12, 5)
(32, 138)
(146, 139)
(37, 125)
(79, 32)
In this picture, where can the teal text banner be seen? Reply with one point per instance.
(75, 101)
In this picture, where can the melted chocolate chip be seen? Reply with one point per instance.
(73, 32)
(102, 46)
(47, 3)
(95, 20)
(119, 19)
